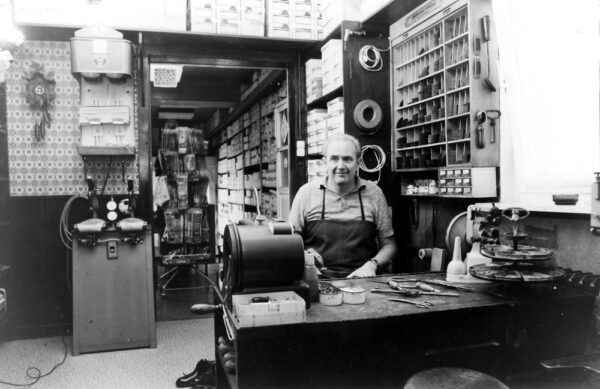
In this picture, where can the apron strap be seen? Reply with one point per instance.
(323, 208)
(362, 210)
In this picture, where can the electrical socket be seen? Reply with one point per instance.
(112, 249)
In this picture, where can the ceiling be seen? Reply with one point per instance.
(200, 91)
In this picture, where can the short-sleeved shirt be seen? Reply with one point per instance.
(308, 204)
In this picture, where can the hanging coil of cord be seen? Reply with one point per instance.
(370, 58)
(378, 155)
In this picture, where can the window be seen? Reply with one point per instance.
(549, 67)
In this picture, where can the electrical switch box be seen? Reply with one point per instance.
(113, 292)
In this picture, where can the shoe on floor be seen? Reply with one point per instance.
(203, 375)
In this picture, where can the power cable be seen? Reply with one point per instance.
(36, 374)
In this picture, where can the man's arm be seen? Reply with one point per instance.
(387, 251)
(296, 215)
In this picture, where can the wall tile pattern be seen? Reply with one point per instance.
(52, 167)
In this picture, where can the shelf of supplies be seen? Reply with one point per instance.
(108, 151)
(264, 87)
(419, 124)
(457, 38)
(420, 102)
(415, 59)
(420, 169)
(457, 64)
(435, 73)
(421, 146)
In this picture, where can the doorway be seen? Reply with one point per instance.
(227, 105)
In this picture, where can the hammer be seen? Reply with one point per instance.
(493, 114)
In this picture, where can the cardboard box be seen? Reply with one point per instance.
(281, 308)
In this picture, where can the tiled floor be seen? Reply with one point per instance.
(186, 289)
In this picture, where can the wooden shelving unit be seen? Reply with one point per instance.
(439, 92)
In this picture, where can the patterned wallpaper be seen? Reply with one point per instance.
(52, 167)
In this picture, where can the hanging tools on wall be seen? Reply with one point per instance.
(485, 27)
(480, 117)
(493, 115)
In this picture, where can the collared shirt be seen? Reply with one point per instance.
(308, 204)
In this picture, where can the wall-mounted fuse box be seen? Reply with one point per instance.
(103, 60)
(467, 182)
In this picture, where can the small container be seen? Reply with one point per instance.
(329, 294)
(353, 295)
(334, 298)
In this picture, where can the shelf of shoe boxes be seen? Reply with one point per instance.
(135, 15)
(247, 160)
(333, 12)
(432, 107)
(322, 77)
(293, 19)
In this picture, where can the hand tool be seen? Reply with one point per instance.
(449, 285)
(414, 293)
(495, 114)
(419, 304)
(419, 285)
(485, 26)
(480, 116)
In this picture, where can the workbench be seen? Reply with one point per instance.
(379, 344)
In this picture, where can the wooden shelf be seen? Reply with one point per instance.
(105, 151)
(264, 87)
(321, 102)
(384, 17)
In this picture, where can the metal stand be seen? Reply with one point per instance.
(170, 274)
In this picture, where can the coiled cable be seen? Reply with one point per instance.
(370, 58)
(380, 158)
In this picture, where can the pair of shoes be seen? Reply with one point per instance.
(203, 375)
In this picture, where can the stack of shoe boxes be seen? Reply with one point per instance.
(295, 19)
(315, 169)
(315, 130)
(229, 17)
(332, 55)
(203, 16)
(279, 19)
(335, 11)
(314, 79)
(335, 117)
(253, 17)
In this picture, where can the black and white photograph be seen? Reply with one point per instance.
(300, 194)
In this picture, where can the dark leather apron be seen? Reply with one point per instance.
(345, 245)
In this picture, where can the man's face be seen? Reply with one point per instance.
(342, 162)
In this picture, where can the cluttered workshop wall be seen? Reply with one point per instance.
(47, 163)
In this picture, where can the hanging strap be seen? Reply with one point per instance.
(362, 209)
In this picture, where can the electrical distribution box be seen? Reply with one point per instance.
(102, 59)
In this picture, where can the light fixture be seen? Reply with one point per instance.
(165, 75)
(176, 115)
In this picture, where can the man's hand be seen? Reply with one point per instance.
(368, 269)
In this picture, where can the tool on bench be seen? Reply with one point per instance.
(398, 285)
(414, 293)
(493, 115)
(419, 304)
(448, 285)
